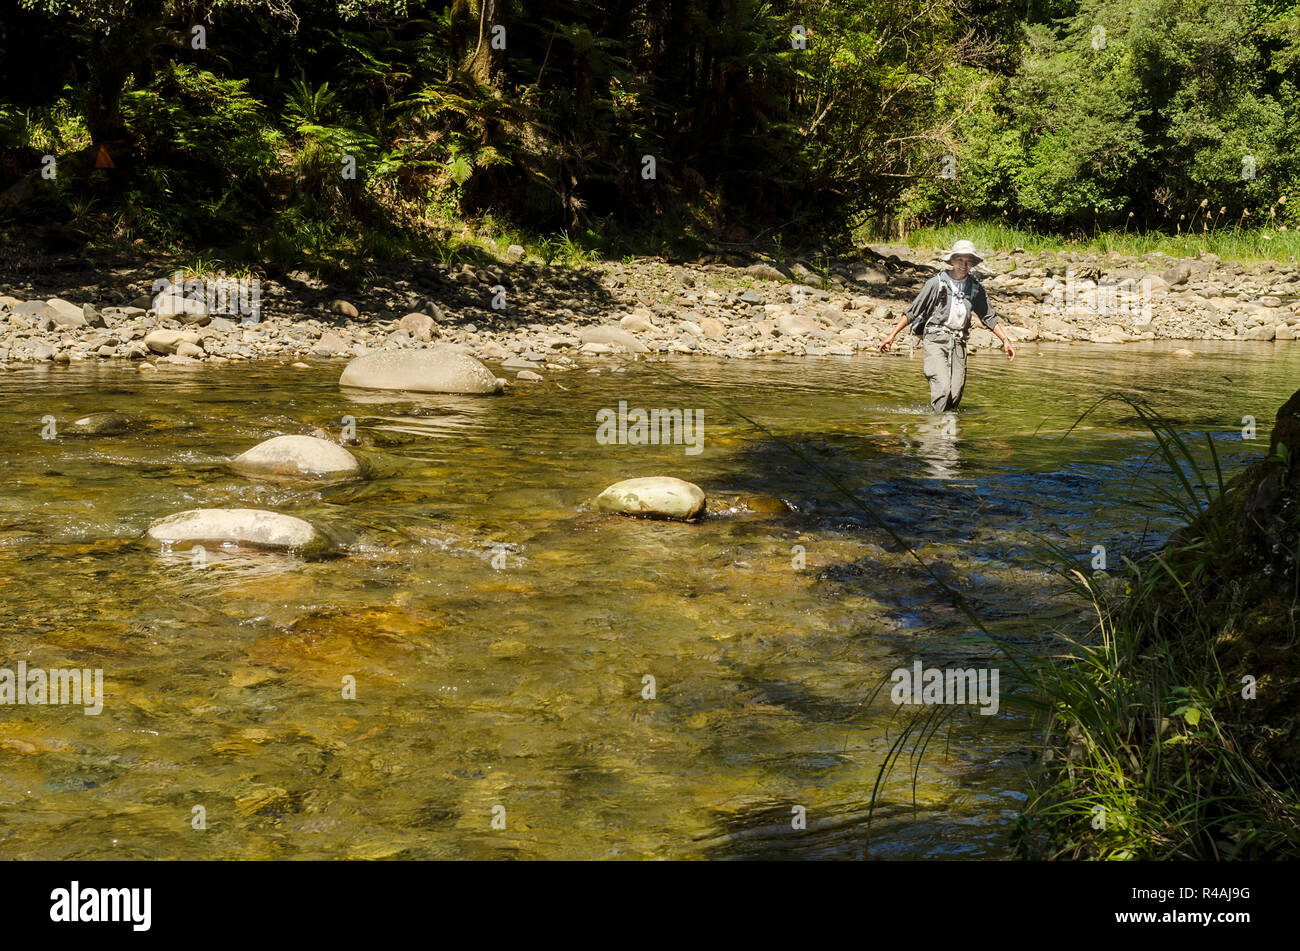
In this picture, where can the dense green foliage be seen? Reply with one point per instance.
(1169, 114)
(236, 123)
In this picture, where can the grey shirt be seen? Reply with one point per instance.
(930, 308)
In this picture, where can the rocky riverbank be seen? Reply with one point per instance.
(527, 317)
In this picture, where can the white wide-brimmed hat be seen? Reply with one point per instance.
(963, 247)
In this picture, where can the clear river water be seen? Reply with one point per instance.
(501, 633)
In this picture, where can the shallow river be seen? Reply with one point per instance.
(500, 633)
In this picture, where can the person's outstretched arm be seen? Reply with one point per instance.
(920, 307)
(1009, 350)
(984, 310)
(889, 338)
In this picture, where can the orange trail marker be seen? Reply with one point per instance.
(103, 159)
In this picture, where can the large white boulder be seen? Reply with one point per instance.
(653, 497)
(440, 369)
(298, 456)
(250, 528)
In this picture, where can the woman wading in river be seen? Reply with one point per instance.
(941, 317)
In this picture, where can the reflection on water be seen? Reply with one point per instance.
(500, 634)
(937, 445)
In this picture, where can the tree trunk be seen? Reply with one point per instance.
(473, 38)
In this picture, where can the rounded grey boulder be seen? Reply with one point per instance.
(436, 370)
(298, 456)
(653, 497)
(250, 528)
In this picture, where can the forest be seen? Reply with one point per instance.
(313, 132)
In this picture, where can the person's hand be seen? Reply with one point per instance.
(886, 344)
(1009, 350)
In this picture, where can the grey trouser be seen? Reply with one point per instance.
(945, 368)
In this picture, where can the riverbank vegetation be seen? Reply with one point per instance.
(1171, 725)
(323, 133)
(1230, 244)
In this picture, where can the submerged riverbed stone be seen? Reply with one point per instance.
(653, 497)
(766, 504)
(437, 370)
(298, 456)
(99, 424)
(252, 528)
